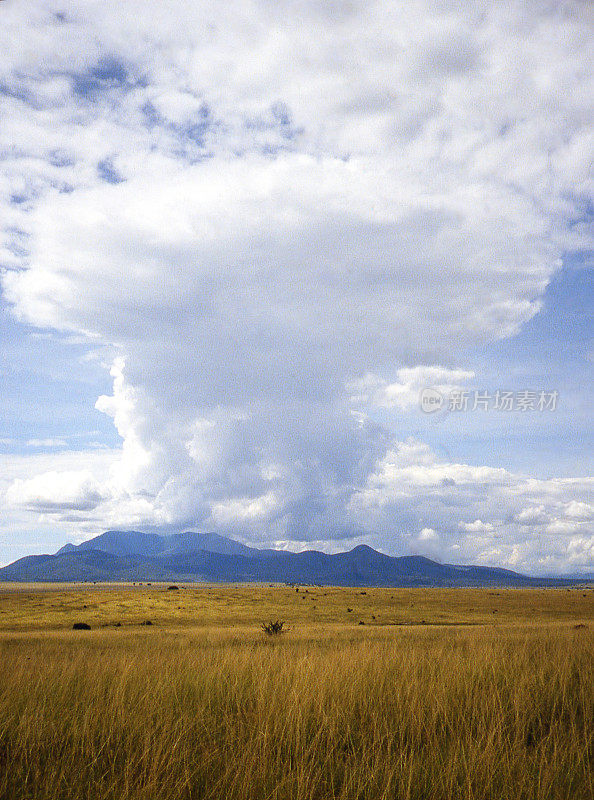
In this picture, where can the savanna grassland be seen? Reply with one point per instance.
(441, 693)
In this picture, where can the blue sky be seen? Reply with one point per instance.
(553, 351)
(237, 244)
(49, 389)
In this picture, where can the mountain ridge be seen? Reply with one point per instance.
(136, 556)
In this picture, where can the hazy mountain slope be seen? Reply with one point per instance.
(85, 565)
(126, 543)
(120, 543)
(192, 542)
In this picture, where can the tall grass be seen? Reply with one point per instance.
(417, 713)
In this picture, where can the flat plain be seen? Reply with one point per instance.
(367, 693)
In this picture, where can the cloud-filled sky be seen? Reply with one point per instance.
(240, 239)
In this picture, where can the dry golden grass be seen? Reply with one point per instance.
(30, 607)
(203, 705)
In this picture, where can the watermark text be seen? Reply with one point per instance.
(523, 400)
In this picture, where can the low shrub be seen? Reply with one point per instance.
(273, 628)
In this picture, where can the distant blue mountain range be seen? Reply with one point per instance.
(136, 556)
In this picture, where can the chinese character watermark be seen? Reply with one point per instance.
(524, 400)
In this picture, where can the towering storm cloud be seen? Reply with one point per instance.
(272, 219)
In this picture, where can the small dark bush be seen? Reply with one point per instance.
(81, 626)
(172, 588)
(146, 622)
(273, 628)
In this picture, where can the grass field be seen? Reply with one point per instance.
(439, 694)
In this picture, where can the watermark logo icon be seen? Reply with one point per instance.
(431, 400)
